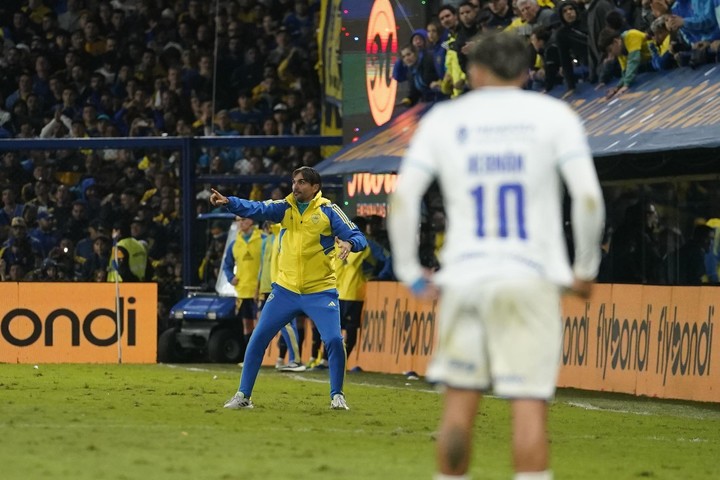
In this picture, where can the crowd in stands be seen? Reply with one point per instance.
(598, 42)
(595, 41)
(116, 68)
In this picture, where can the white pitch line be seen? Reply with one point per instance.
(588, 406)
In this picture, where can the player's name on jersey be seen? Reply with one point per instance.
(502, 162)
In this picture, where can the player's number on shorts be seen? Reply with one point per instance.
(508, 194)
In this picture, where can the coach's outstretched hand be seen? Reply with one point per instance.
(217, 198)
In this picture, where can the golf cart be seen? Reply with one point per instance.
(203, 325)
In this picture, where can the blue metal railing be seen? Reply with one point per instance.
(186, 145)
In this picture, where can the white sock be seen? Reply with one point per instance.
(546, 475)
(442, 476)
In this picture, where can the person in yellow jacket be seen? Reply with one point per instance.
(132, 257)
(306, 282)
(242, 269)
(630, 48)
(291, 338)
(353, 273)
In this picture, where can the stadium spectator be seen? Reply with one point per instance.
(546, 75)
(46, 233)
(422, 76)
(573, 43)
(662, 55)
(453, 83)
(501, 15)
(467, 28)
(20, 248)
(534, 16)
(435, 48)
(419, 41)
(516, 339)
(310, 290)
(597, 12)
(630, 48)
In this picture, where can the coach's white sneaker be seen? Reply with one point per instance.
(238, 401)
(338, 402)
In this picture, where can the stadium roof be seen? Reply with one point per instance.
(673, 111)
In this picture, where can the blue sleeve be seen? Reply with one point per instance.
(258, 211)
(378, 252)
(711, 265)
(262, 255)
(344, 228)
(702, 20)
(229, 262)
(399, 72)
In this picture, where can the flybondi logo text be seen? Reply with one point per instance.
(17, 320)
(381, 49)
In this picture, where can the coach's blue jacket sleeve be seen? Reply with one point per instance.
(345, 229)
(258, 211)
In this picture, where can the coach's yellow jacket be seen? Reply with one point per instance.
(306, 242)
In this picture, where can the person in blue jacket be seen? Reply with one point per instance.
(311, 226)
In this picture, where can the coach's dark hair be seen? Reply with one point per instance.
(505, 54)
(309, 174)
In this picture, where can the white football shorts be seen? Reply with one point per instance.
(503, 336)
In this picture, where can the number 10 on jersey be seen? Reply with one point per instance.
(508, 195)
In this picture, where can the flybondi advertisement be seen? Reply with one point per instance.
(77, 323)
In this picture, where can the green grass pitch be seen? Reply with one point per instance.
(155, 422)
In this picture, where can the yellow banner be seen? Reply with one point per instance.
(329, 71)
(76, 322)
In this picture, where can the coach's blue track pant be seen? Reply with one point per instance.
(280, 308)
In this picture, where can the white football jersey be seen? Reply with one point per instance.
(500, 155)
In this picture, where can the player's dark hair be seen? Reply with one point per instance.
(309, 174)
(505, 54)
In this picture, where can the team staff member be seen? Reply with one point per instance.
(504, 261)
(353, 274)
(306, 281)
(242, 263)
(132, 256)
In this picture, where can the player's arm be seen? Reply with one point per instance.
(587, 208)
(417, 171)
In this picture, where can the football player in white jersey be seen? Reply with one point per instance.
(501, 156)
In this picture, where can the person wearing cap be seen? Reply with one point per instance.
(280, 115)
(45, 232)
(21, 248)
(98, 260)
